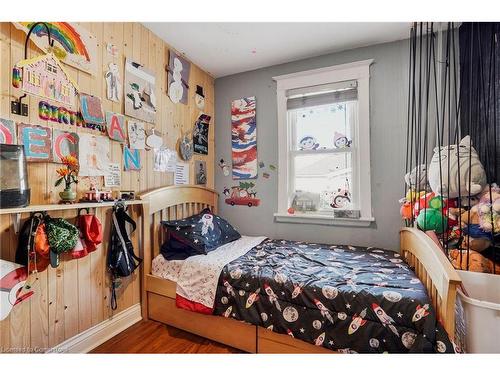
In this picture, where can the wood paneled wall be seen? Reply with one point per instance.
(75, 296)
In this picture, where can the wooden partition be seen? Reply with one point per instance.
(74, 297)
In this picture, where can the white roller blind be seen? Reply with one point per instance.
(322, 94)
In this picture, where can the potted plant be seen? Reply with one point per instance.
(68, 174)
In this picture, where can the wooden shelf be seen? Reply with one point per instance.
(59, 207)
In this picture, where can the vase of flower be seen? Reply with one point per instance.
(69, 175)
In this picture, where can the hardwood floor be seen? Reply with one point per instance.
(154, 337)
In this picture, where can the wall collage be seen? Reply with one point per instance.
(132, 87)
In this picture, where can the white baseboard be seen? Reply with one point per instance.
(93, 337)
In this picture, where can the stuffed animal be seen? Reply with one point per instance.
(447, 161)
(474, 238)
(432, 219)
(489, 209)
(476, 261)
(420, 172)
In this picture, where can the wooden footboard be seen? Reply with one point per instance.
(435, 271)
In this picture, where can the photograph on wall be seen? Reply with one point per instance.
(140, 92)
(115, 125)
(91, 107)
(200, 175)
(64, 144)
(37, 142)
(73, 44)
(45, 77)
(8, 132)
(178, 78)
(200, 134)
(244, 138)
(136, 135)
(94, 154)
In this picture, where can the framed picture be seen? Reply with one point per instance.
(244, 139)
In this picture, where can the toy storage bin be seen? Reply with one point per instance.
(481, 311)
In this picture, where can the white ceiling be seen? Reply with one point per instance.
(228, 48)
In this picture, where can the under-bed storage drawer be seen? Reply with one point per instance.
(273, 343)
(227, 331)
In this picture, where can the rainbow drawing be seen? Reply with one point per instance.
(73, 45)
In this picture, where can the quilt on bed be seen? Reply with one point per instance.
(345, 298)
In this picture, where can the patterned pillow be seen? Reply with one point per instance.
(200, 233)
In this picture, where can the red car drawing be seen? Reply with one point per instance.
(241, 197)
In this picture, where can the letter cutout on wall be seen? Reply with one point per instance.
(115, 124)
(91, 109)
(131, 159)
(64, 144)
(7, 132)
(37, 141)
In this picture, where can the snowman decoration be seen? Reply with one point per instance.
(176, 90)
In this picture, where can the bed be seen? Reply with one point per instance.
(418, 251)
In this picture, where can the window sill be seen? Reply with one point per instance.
(323, 220)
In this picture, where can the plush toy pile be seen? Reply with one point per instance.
(451, 198)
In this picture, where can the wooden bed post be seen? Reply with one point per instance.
(146, 255)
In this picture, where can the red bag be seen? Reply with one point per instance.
(90, 235)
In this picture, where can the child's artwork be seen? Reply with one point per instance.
(178, 78)
(113, 83)
(200, 172)
(111, 49)
(244, 138)
(73, 44)
(136, 135)
(93, 155)
(140, 92)
(154, 139)
(199, 98)
(200, 135)
(131, 159)
(64, 144)
(8, 132)
(92, 109)
(115, 125)
(114, 176)
(45, 77)
(61, 115)
(165, 160)
(308, 143)
(37, 142)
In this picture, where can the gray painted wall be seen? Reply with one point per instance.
(388, 95)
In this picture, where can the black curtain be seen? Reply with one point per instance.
(480, 91)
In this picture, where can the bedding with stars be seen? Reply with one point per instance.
(345, 298)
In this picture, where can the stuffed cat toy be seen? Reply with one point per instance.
(419, 172)
(460, 155)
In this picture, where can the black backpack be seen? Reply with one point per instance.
(121, 258)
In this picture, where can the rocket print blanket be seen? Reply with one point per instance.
(345, 298)
(198, 277)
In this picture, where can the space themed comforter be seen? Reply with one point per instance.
(344, 298)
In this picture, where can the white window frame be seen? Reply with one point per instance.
(359, 71)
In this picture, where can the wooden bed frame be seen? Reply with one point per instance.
(158, 294)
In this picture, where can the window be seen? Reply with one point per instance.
(324, 148)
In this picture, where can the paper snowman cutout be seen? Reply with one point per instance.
(12, 279)
(176, 89)
(199, 98)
